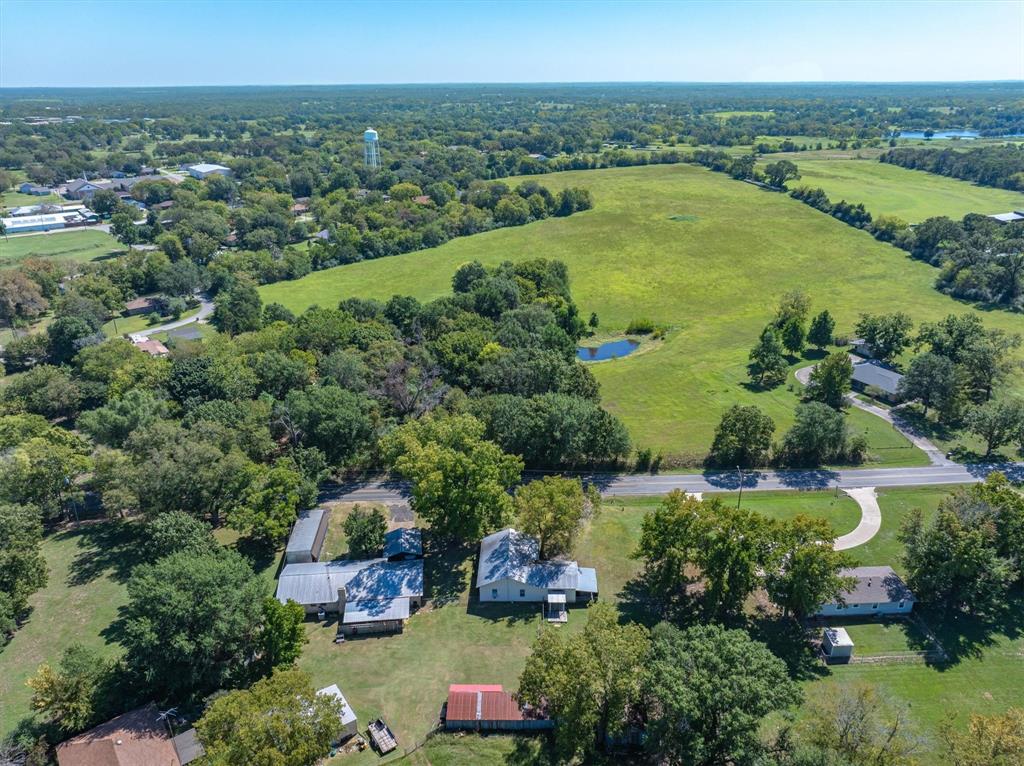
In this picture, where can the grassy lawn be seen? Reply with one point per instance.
(871, 637)
(128, 325)
(335, 542)
(85, 245)
(896, 504)
(86, 587)
(912, 195)
(17, 199)
(714, 280)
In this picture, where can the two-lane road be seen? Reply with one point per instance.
(385, 490)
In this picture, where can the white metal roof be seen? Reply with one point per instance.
(207, 167)
(873, 373)
(1008, 217)
(347, 714)
(304, 532)
(512, 555)
(373, 579)
(838, 637)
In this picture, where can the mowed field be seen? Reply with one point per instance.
(713, 279)
(84, 245)
(912, 195)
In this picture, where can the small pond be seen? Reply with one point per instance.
(940, 134)
(613, 349)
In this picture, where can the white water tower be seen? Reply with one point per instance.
(371, 149)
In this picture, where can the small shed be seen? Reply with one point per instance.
(403, 544)
(348, 717)
(837, 645)
(188, 747)
(307, 537)
(488, 707)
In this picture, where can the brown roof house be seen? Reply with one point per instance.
(489, 707)
(137, 738)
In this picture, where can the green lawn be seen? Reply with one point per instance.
(896, 504)
(873, 637)
(714, 280)
(912, 195)
(85, 589)
(127, 325)
(85, 245)
(17, 199)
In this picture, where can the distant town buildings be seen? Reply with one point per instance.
(204, 169)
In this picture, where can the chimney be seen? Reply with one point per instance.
(341, 601)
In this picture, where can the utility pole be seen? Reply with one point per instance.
(740, 498)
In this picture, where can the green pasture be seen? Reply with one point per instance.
(17, 199)
(82, 246)
(912, 195)
(714, 281)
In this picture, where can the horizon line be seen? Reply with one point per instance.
(511, 82)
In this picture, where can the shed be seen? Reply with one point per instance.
(837, 645)
(1014, 216)
(879, 377)
(876, 590)
(204, 169)
(403, 544)
(307, 537)
(348, 717)
(488, 707)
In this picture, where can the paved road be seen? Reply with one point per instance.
(935, 455)
(384, 490)
(206, 308)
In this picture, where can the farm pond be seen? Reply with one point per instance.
(613, 349)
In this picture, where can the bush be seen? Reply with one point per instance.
(640, 327)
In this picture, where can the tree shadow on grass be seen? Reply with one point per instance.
(790, 642)
(104, 548)
(444, 570)
(965, 636)
(260, 554)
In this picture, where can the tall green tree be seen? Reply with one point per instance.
(830, 380)
(743, 438)
(239, 309)
(779, 172)
(807, 573)
(74, 695)
(192, 622)
(997, 422)
(818, 436)
(365, 529)
(279, 721)
(589, 680)
(23, 569)
(888, 335)
(282, 634)
(269, 504)
(710, 689)
(460, 481)
(552, 509)
(931, 380)
(767, 363)
(821, 331)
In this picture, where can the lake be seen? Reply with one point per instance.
(611, 350)
(940, 134)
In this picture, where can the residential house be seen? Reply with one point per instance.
(403, 544)
(372, 596)
(84, 189)
(35, 190)
(137, 738)
(876, 378)
(1014, 216)
(307, 537)
(488, 707)
(323, 234)
(144, 305)
(204, 169)
(877, 590)
(150, 346)
(349, 723)
(511, 570)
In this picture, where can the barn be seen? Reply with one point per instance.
(307, 537)
(350, 725)
(488, 707)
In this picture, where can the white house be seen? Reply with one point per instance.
(877, 590)
(204, 169)
(348, 716)
(511, 570)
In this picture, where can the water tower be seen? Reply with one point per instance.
(371, 149)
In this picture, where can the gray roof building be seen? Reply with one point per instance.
(307, 537)
(512, 555)
(402, 544)
(876, 585)
(870, 372)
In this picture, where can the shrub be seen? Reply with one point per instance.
(640, 327)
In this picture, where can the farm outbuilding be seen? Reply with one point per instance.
(348, 717)
(372, 596)
(876, 590)
(837, 645)
(403, 544)
(488, 707)
(204, 169)
(307, 537)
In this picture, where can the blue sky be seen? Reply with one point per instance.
(183, 42)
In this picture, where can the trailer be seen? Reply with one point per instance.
(382, 737)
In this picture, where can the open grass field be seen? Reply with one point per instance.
(714, 280)
(84, 245)
(17, 199)
(912, 195)
(896, 503)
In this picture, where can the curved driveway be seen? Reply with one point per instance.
(870, 519)
(206, 307)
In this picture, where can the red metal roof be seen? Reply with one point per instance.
(481, 702)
